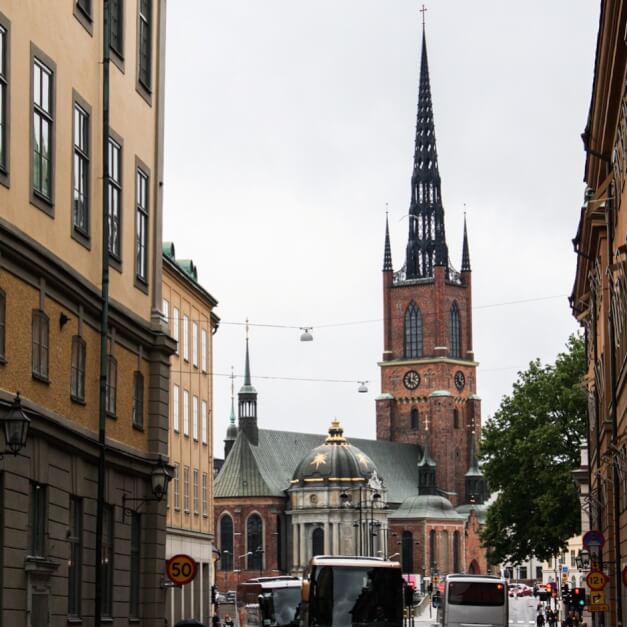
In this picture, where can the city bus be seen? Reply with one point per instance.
(339, 591)
(474, 601)
(268, 601)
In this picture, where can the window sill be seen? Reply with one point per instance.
(117, 58)
(144, 92)
(84, 18)
(41, 202)
(112, 416)
(41, 378)
(138, 428)
(74, 620)
(4, 178)
(81, 237)
(78, 401)
(115, 262)
(141, 284)
(3, 360)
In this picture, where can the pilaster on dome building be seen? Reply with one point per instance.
(416, 493)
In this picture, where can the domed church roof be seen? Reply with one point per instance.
(334, 462)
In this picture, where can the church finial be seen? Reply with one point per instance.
(232, 416)
(231, 430)
(248, 402)
(465, 251)
(426, 245)
(426, 466)
(247, 366)
(387, 254)
(423, 10)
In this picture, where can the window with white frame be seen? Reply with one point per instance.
(175, 327)
(196, 491)
(185, 337)
(203, 425)
(141, 225)
(186, 489)
(203, 350)
(177, 486)
(205, 494)
(185, 412)
(166, 312)
(195, 344)
(176, 399)
(195, 417)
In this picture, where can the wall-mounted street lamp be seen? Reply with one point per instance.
(363, 388)
(583, 559)
(306, 336)
(15, 428)
(160, 477)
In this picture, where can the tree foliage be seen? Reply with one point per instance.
(529, 449)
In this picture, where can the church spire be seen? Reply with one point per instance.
(231, 430)
(387, 254)
(248, 402)
(426, 467)
(465, 253)
(426, 245)
(475, 483)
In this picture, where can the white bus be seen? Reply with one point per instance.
(474, 601)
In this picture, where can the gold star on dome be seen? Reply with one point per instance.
(320, 458)
(362, 459)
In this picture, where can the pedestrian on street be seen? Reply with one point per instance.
(569, 621)
(215, 621)
(540, 620)
(228, 621)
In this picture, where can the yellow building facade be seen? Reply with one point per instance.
(66, 101)
(192, 323)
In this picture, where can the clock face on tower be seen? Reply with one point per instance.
(460, 380)
(411, 380)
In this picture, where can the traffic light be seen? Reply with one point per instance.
(213, 595)
(566, 594)
(578, 598)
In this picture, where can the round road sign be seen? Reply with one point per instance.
(597, 580)
(593, 538)
(181, 569)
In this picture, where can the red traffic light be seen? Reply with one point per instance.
(548, 587)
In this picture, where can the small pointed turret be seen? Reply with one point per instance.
(426, 245)
(465, 251)
(231, 430)
(475, 486)
(248, 402)
(426, 467)
(387, 254)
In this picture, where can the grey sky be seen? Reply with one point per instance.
(290, 124)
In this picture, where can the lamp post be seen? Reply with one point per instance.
(227, 553)
(375, 497)
(160, 477)
(346, 502)
(259, 551)
(583, 559)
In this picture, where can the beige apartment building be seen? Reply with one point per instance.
(192, 323)
(91, 365)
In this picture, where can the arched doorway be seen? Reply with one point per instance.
(474, 569)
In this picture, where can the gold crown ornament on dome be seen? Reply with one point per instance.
(336, 433)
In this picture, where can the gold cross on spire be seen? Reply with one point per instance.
(247, 328)
(423, 11)
(232, 383)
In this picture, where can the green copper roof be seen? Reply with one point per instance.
(426, 506)
(437, 393)
(168, 249)
(267, 469)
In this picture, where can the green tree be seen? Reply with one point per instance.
(529, 449)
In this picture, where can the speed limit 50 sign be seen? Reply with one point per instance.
(181, 569)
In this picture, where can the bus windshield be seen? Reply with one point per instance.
(476, 593)
(356, 596)
(284, 605)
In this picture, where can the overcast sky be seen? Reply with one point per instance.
(290, 125)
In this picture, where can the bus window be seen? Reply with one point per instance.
(476, 593)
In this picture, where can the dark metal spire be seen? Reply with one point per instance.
(248, 402)
(426, 245)
(426, 467)
(387, 255)
(465, 253)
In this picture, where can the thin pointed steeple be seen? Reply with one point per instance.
(465, 251)
(387, 254)
(231, 430)
(426, 467)
(474, 481)
(248, 402)
(426, 245)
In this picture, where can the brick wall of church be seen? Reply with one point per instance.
(240, 509)
(474, 553)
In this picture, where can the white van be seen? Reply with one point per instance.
(474, 601)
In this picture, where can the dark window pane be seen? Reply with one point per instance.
(116, 8)
(135, 566)
(107, 561)
(85, 6)
(454, 331)
(81, 170)
(39, 515)
(475, 593)
(40, 343)
(75, 539)
(111, 388)
(141, 227)
(317, 542)
(78, 368)
(42, 129)
(114, 197)
(413, 331)
(138, 399)
(407, 552)
(226, 543)
(3, 92)
(3, 313)
(145, 49)
(254, 542)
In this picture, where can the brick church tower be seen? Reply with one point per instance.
(428, 370)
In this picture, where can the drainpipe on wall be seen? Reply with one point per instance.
(104, 315)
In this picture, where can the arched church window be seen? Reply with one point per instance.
(433, 551)
(454, 331)
(415, 419)
(317, 542)
(456, 552)
(444, 554)
(226, 542)
(456, 418)
(254, 542)
(413, 331)
(407, 553)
